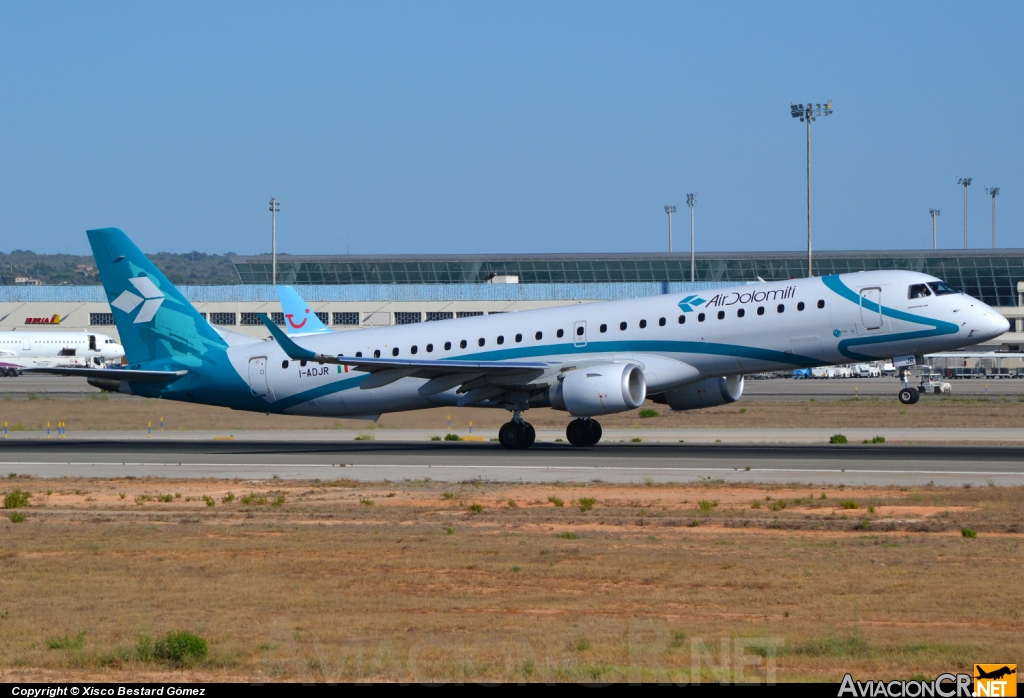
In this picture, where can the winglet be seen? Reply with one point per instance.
(293, 350)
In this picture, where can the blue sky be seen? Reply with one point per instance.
(517, 127)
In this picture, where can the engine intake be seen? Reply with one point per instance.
(710, 392)
(596, 390)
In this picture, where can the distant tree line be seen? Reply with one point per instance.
(192, 268)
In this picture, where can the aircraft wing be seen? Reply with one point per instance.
(478, 381)
(121, 374)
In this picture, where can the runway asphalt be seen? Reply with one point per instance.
(614, 462)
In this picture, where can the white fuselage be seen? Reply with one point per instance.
(677, 339)
(65, 349)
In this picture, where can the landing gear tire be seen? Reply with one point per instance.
(583, 432)
(908, 396)
(3, 372)
(517, 436)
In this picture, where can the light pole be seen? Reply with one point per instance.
(275, 206)
(809, 113)
(993, 192)
(691, 201)
(670, 210)
(965, 182)
(935, 214)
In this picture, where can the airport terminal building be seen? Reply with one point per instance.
(352, 291)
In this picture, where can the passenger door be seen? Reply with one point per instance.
(258, 376)
(871, 308)
(579, 334)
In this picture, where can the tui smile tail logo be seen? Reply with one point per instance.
(688, 303)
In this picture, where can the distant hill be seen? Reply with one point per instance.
(193, 268)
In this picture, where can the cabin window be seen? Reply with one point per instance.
(413, 349)
(741, 312)
(480, 342)
(539, 336)
(682, 319)
(359, 354)
(603, 328)
(284, 364)
(560, 334)
(430, 348)
(821, 304)
(501, 339)
(781, 308)
(643, 324)
(519, 337)
(918, 291)
(661, 322)
(447, 346)
(721, 314)
(579, 331)
(760, 310)
(622, 326)
(800, 305)
(302, 363)
(376, 353)
(394, 352)
(700, 317)
(463, 344)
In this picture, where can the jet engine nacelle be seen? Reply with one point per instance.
(596, 390)
(710, 392)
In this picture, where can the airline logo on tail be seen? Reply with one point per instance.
(151, 299)
(298, 326)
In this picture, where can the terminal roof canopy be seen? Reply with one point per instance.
(990, 275)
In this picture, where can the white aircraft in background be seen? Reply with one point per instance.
(686, 350)
(20, 350)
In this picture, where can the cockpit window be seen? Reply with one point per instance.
(919, 291)
(941, 288)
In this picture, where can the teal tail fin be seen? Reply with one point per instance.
(158, 327)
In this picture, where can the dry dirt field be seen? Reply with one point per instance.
(102, 413)
(338, 580)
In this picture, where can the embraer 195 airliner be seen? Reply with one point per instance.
(688, 351)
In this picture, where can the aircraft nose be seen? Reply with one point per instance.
(992, 324)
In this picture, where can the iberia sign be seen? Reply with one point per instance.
(55, 320)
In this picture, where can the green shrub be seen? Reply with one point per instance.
(435, 438)
(568, 535)
(66, 642)
(448, 495)
(165, 498)
(210, 501)
(837, 439)
(512, 503)
(756, 504)
(452, 437)
(17, 498)
(587, 503)
(582, 645)
(557, 501)
(122, 495)
(229, 497)
(648, 413)
(143, 498)
(366, 502)
(707, 504)
(968, 533)
(778, 505)
(865, 524)
(180, 648)
(16, 517)
(253, 498)
(636, 440)
(475, 508)
(849, 504)
(277, 501)
(875, 440)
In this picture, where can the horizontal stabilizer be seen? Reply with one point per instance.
(118, 374)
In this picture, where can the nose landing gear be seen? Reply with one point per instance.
(908, 395)
(583, 432)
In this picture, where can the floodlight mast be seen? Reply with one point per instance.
(670, 210)
(935, 214)
(691, 201)
(965, 182)
(809, 113)
(993, 192)
(275, 206)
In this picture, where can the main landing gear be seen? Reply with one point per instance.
(908, 394)
(583, 432)
(517, 435)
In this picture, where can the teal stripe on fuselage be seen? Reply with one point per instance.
(939, 327)
(611, 347)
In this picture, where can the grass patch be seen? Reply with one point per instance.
(448, 495)
(568, 535)
(177, 648)
(277, 501)
(435, 438)
(635, 440)
(210, 501)
(968, 533)
(165, 498)
(452, 437)
(778, 505)
(707, 504)
(557, 501)
(229, 497)
(587, 503)
(17, 517)
(849, 504)
(837, 439)
(66, 642)
(253, 498)
(364, 437)
(16, 498)
(582, 645)
(475, 508)
(648, 413)
(366, 502)
(875, 440)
